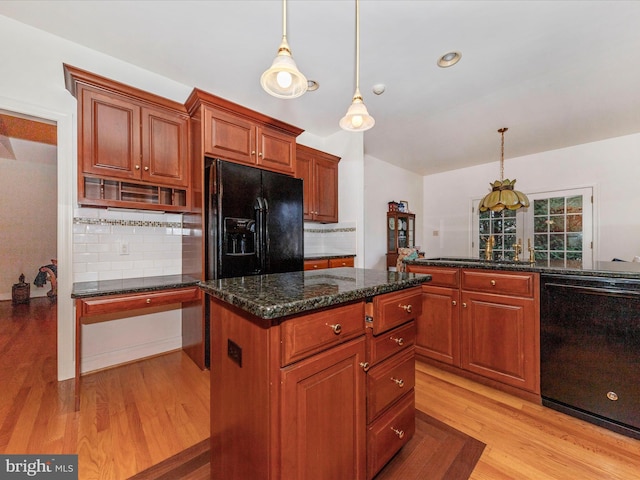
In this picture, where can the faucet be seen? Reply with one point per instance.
(532, 252)
(517, 247)
(488, 253)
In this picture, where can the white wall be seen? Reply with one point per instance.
(383, 183)
(33, 84)
(28, 214)
(611, 166)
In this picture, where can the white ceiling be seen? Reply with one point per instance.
(557, 73)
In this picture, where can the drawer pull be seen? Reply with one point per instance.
(493, 283)
(337, 328)
(148, 300)
(399, 341)
(398, 381)
(613, 396)
(399, 433)
(365, 366)
(406, 308)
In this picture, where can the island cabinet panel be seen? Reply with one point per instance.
(319, 331)
(396, 308)
(390, 374)
(323, 411)
(484, 324)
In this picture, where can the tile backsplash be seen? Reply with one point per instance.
(112, 244)
(333, 238)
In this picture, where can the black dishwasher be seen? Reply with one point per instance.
(590, 349)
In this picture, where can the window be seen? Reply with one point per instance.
(558, 225)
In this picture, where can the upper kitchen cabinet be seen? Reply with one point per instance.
(231, 132)
(319, 172)
(133, 146)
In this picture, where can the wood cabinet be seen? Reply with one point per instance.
(482, 322)
(401, 233)
(133, 147)
(237, 138)
(321, 263)
(391, 374)
(319, 172)
(288, 399)
(324, 394)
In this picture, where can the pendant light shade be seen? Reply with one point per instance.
(283, 79)
(357, 118)
(503, 193)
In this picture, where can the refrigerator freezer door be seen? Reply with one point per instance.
(237, 188)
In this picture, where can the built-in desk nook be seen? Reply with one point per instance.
(105, 300)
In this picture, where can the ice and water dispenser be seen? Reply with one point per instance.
(239, 236)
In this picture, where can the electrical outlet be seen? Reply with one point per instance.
(124, 248)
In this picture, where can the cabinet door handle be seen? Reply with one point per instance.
(337, 328)
(454, 303)
(137, 167)
(398, 432)
(464, 305)
(146, 169)
(260, 155)
(398, 381)
(365, 366)
(493, 283)
(399, 341)
(253, 152)
(406, 308)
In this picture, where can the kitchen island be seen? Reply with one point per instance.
(312, 372)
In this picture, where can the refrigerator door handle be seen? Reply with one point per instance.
(265, 229)
(258, 206)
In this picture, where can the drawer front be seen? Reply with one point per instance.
(393, 309)
(390, 433)
(309, 334)
(118, 303)
(341, 262)
(520, 284)
(316, 264)
(388, 381)
(440, 277)
(390, 343)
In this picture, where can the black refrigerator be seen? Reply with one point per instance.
(254, 221)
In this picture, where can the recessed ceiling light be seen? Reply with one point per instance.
(312, 85)
(379, 88)
(449, 59)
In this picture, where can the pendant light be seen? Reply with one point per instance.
(503, 194)
(283, 79)
(357, 118)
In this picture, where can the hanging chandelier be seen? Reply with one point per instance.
(503, 194)
(283, 79)
(357, 118)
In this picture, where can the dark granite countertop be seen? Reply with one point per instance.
(130, 285)
(328, 256)
(282, 294)
(599, 269)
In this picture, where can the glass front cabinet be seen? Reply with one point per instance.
(401, 233)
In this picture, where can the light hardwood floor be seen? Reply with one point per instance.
(137, 415)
